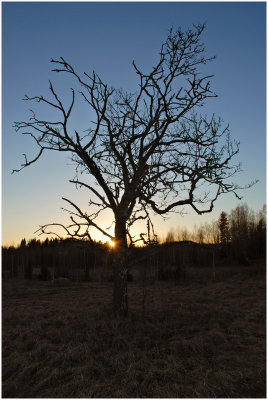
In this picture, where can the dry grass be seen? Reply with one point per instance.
(201, 339)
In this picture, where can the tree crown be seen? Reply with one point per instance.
(148, 150)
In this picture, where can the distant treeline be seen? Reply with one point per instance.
(242, 232)
(53, 258)
(237, 237)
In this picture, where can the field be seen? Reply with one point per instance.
(201, 338)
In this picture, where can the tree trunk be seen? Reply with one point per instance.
(120, 296)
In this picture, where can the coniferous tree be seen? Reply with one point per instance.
(224, 228)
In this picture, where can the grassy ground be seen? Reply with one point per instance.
(197, 339)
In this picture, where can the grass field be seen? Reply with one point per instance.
(197, 339)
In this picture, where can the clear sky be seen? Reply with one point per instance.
(106, 37)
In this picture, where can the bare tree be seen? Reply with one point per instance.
(148, 151)
(170, 237)
(183, 234)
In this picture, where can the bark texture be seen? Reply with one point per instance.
(120, 296)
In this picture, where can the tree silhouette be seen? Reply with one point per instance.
(224, 228)
(148, 151)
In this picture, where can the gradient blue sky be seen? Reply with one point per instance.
(106, 37)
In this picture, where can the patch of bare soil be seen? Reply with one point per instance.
(200, 340)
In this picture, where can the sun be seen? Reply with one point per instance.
(111, 243)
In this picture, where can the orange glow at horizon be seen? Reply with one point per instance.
(111, 243)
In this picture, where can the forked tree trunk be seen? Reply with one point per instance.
(120, 295)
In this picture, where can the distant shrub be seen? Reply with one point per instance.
(61, 281)
(45, 274)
